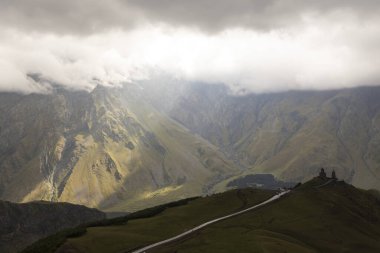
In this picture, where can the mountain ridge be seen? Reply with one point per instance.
(127, 148)
(89, 148)
(290, 134)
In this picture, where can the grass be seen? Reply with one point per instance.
(333, 218)
(52, 243)
(169, 223)
(155, 224)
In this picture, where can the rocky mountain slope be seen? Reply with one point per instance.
(102, 150)
(22, 224)
(288, 134)
(146, 143)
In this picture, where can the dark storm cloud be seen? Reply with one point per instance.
(89, 16)
(216, 15)
(65, 16)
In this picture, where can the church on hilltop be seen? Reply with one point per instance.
(322, 175)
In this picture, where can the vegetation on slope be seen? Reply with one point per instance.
(154, 224)
(334, 218)
(23, 224)
(52, 243)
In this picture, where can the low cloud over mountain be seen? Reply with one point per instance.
(256, 46)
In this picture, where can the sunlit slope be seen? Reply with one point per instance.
(333, 218)
(93, 149)
(177, 163)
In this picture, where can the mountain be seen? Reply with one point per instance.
(152, 142)
(288, 134)
(23, 224)
(100, 149)
(318, 216)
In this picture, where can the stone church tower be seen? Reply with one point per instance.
(322, 174)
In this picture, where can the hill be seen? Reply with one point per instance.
(334, 218)
(23, 224)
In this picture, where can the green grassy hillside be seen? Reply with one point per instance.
(334, 218)
(135, 231)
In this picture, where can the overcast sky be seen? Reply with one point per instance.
(266, 45)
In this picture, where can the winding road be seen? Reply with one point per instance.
(174, 238)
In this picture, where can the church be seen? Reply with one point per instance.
(322, 174)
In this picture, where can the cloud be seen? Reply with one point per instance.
(314, 57)
(93, 16)
(254, 45)
(75, 62)
(218, 15)
(65, 17)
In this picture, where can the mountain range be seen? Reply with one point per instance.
(290, 134)
(98, 150)
(146, 143)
